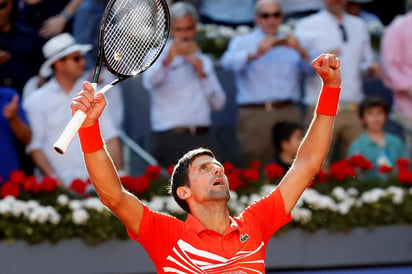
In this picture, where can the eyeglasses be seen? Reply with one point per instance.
(266, 15)
(4, 5)
(76, 58)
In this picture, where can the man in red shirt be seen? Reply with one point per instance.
(210, 240)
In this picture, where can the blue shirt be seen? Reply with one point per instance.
(392, 150)
(274, 76)
(9, 159)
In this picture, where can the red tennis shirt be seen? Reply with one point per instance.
(189, 247)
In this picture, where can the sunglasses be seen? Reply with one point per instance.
(266, 15)
(76, 58)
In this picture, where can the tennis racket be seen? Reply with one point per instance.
(132, 35)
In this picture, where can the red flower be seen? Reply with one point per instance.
(31, 185)
(385, 169)
(10, 189)
(235, 181)
(321, 176)
(170, 170)
(251, 174)
(17, 176)
(361, 162)
(255, 165)
(48, 184)
(79, 186)
(405, 176)
(228, 167)
(402, 163)
(274, 171)
(127, 182)
(342, 169)
(153, 172)
(140, 184)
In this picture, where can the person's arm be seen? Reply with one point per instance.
(55, 24)
(99, 164)
(315, 144)
(19, 128)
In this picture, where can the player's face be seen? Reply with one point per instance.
(269, 17)
(374, 119)
(183, 28)
(207, 180)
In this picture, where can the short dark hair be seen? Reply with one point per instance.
(180, 173)
(282, 131)
(373, 101)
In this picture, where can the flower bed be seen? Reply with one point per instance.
(337, 200)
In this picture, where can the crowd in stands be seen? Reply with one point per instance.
(48, 48)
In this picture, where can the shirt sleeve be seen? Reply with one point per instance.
(158, 232)
(269, 213)
(212, 87)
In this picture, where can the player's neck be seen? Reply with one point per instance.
(213, 216)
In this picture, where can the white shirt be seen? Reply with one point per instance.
(48, 110)
(320, 33)
(180, 98)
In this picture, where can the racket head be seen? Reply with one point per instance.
(132, 35)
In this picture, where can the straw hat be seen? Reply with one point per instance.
(57, 48)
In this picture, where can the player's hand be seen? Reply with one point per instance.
(328, 67)
(90, 103)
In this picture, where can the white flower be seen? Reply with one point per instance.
(397, 194)
(39, 215)
(80, 216)
(253, 198)
(157, 203)
(18, 209)
(302, 215)
(62, 200)
(75, 204)
(372, 196)
(339, 192)
(94, 203)
(353, 191)
(172, 206)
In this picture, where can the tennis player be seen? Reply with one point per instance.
(210, 240)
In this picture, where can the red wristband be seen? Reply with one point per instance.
(90, 138)
(328, 101)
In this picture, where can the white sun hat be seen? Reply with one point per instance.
(57, 48)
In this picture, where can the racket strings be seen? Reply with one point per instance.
(134, 35)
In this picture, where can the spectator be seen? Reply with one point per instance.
(231, 13)
(183, 89)
(333, 30)
(20, 50)
(396, 58)
(48, 116)
(380, 147)
(268, 66)
(286, 137)
(13, 125)
(49, 17)
(355, 8)
(20, 59)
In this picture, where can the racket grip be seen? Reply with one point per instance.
(69, 131)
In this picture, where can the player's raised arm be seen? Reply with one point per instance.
(99, 164)
(315, 144)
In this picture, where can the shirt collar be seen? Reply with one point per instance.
(193, 223)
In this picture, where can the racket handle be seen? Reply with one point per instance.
(70, 130)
